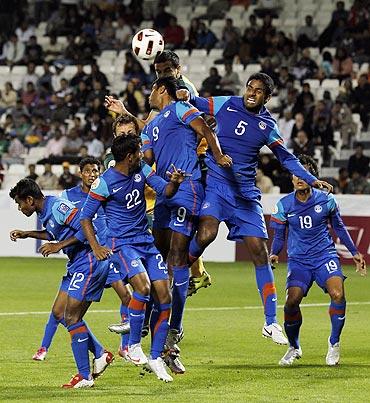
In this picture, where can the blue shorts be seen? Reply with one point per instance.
(114, 274)
(243, 217)
(133, 259)
(302, 274)
(180, 213)
(88, 278)
(64, 284)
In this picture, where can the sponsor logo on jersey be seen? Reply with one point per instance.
(318, 208)
(205, 205)
(63, 208)
(262, 125)
(137, 178)
(134, 263)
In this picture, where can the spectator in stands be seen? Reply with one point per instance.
(95, 124)
(24, 32)
(61, 110)
(307, 35)
(29, 95)
(248, 51)
(307, 110)
(288, 56)
(302, 145)
(30, 76)
(211, 85)
(321, 111)
(162, 19)
(32, 172)
(342, 121)
(287, 101)
(340, 13)
(17, 112)
(284, 77)
(230, 82)
(98, 75)
(23, 127)
(361, 100)
(216, 10)
(231, 48)
(346, 92)
(358, 15)
(268, 68)
(53, 50)
(358, 184)
(73, 143)
(42, 108)
(80, 97)
(107, 35)
(97, 91)
(263, 182)
(358, 162)
(95, 147)
(191, 43)
(48, 180)
(4, 142)
(133, 98)
(339, 33)
(343, 180)
(33, 52)
(342, 65)
(46, 78)
(123, 34)
(15, 150)
(326, 66)
(174, 34)
(206, 38)
(67, 180)
(268, 7)
(229, 32)
(55, 145)
(88, 48)
(9, 124)
(96, 107)
(323, 135)
(13, 51)
(306, 67)
(8, 97)
(83, 152)
(286, 124)
(80, 75)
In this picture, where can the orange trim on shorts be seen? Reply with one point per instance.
(195, 198)
(81, 329)
(165, 315)
(123, 261)
(268, 289)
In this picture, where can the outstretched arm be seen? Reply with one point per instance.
(19, 234)
(55, 247)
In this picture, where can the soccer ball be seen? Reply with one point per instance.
(147, 44)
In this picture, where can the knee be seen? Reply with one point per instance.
(70, 318)
(337, 296)
(177, 257)
(206, 235)
(143, 289)
(292, 303)
(58, 314)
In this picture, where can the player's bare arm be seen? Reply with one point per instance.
(203, 130)
(176, 177)
(183, 95)
(274, 259)
(19, 234)
(148, 157)
(99, 251)
(323, 186)
(360, 264)
(55, 247)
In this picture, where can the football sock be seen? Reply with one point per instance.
(50, 329)
(195, 251)
(136, 309)
(267, 290)
(124, 318)
(80, 347)
(337, 314)
(159, 329)
(292, 324)
(94, 346)
(148, 311)
(179, 293)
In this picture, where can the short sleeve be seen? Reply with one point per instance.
(63, 211)
(147, 144)
(99, 189)
(187, 112)
(278, 216)
(331, 204)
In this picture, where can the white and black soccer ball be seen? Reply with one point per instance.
(147, 44)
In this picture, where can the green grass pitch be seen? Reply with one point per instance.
(226, 358)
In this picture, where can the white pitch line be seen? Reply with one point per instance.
(216, 308)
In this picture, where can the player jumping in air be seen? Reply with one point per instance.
(85, 274)
(306, 214)
(244, 126)
(120, 190)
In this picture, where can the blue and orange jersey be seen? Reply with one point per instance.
(61, 219)
(172, 139)
(78, 197)
(307, 225)
(241, 135)
(122, 198)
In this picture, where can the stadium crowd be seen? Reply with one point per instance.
(66, 115)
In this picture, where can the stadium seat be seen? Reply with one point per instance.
(16, 169)
(253, 68)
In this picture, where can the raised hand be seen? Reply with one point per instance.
(114, 105)
(183, 95)
(323, 186)
(177, 176)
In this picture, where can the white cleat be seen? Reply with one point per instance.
(78, 382)
(274, 332)
(333, 355)
(291, 355)
(40, 354)
(136, 355)
(100, 364)
(159, 368)
(120, 328)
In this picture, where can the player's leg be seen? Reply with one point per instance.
(56, 317)
(257, 248)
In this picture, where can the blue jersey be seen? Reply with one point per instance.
(241, 135)
(122, 198)
(308, 230)
(172, 139)
(61, 220)
(78, 197)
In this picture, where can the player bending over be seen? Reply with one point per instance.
(86, 275)
(120, 190)
(244, 126)
(306, 214)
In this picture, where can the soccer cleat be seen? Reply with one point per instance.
(100, 364)
(40, 354)
(291, 355)
(136, 355)
(172, 359)
(78, 381)
(274, 332)
(145, 331)
(195, 283)
(333, 355)
(158, 367)
(122, 352)
(120, 328)
(174, 336)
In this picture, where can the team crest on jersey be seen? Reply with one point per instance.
(112, 164)
(166, 114)
(318, 208)
(63, 208)
(51, 223)
(134, 263)
(205, 205)
(95, 183)
(137, 178)
(262, 125)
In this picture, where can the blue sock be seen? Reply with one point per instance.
(50, 329)
(160, 330)
(80, 347)
(137, 312)
(292, 324)
(124, 318)
(179, 293)
(337, 314)
(148, 311)
(267, 290)
(94, 345)
(195, 251)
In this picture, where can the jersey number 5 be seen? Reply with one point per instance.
(240, 128)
